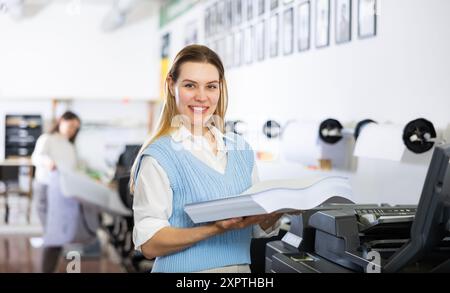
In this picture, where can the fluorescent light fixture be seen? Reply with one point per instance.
(117, 16)
(12, 7)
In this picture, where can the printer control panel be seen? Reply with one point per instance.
(370, 217)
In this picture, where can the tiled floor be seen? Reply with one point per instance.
(17, 255)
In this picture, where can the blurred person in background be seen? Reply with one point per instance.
(54, 150)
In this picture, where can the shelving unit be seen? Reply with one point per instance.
(21, 134)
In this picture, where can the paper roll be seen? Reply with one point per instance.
(380, 142)
(300, 143)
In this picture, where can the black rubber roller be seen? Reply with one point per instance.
(417, 135)
(233, 125)
(272, 129)
(330, 131)
(229, 126)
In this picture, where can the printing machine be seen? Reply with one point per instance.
(339, 238)
(371, 238)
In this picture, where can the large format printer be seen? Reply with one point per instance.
(345, 238)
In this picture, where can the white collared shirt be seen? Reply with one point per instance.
(152, 203)
(55, 148)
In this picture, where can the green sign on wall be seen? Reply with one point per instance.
(174, 8)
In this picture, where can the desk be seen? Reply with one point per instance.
(10, 171)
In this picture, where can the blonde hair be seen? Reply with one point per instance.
(192, 53)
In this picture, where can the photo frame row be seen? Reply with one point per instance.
(221, 15)
(291, 28)
(367, 20)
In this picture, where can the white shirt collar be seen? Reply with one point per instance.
(182, 134)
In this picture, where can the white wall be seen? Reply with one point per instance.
(397, 76)
(401, 74)
(55, 53)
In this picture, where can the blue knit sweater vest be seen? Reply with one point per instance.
(191, 181)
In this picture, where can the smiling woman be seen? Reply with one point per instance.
(190, 159)
(196, 93)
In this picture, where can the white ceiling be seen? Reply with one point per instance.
(117, 12)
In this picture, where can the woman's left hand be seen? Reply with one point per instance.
(264, 221)
(269, 220)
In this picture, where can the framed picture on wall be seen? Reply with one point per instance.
(260, 40)
(191, 33)
(249, 9)
(221, 47)
(273, 4)
(249, 37)
(367, 18)
(304, 26)
(237, 13)
(221, 16)
(322, 23)
(215, 47)
(228, 14)
(165, 45)
(229, 52)
(214, 18)
(206, 22)
(261, 7)
(343, 21)
(238, 47)
(274, 32)
(288, 31)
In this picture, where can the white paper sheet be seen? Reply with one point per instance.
(83, 188)
(300, 143)
(304, 198)
(272, 196)
(380, 142)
